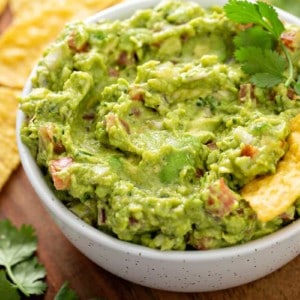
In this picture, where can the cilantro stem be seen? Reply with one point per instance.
(290, 66)
(13, 279)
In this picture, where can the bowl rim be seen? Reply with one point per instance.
(57, 208)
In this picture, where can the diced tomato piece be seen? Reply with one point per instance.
(249, 150)
(137, 97)
(72, 45)
(221, 200)
(55, 167)
(288, 38)
(136, 94)
(61, 163)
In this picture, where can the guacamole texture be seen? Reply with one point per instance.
(148, 129)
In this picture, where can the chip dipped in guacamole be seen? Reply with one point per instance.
(151, 128)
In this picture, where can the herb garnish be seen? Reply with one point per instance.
(21, 269)
(259, 47)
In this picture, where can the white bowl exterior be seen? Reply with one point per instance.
(184, 271)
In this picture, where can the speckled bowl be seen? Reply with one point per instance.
(184, 271)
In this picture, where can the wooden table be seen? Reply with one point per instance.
(20, 204)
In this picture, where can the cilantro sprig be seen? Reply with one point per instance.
(259, 48)
(20, 271)
(19, 268)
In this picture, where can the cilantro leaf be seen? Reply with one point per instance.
(257, 60)
(16, 245)
(255, 37)
(265, 80)
(7, 290)
(243, 12)
(65, 293)
(255, 46)
(28, 275)
(16, 255)
(271, 19)
(259, 13)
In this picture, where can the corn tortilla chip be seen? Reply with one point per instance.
(5, 16)
(3, 4)
(23, 43)
(270, 196)
(9, 157)
(25, 9)
(90, 7)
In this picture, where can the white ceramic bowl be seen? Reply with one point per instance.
(184, 271)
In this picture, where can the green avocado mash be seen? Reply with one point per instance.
(148, 128)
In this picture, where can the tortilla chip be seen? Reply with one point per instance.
(5, 16)
(3, 4)
(9, 157)
(271, 196)
(25, 9)
(89, 7)
(23, 43)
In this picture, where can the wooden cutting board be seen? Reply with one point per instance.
(20, 204)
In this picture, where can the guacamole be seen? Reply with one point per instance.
(148, 129)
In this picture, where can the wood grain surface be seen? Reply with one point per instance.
(20, 204)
